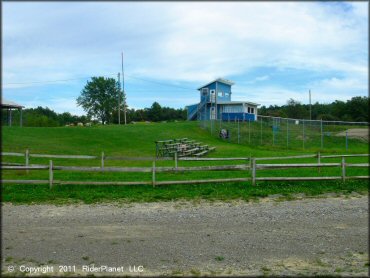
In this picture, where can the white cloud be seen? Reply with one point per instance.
(223, 39)
(191, 42)
(277, 95)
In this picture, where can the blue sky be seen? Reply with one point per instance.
(273, 51)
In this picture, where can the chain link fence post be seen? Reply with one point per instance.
(322, 134)
(287, 133)
(238, 132)
(273, 131)
(261, 130)
(303, 133)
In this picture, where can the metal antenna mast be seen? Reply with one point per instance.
(119, 99)
(123, 91)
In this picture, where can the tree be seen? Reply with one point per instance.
(99, 98)
(155, 112)
(358, 108)
(294, 109)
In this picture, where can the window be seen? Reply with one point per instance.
(250, 110)
(204, 91)
(233, 109)
(221, 94)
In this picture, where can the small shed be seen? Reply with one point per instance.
(9, 106)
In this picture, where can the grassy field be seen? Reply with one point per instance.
(138, 140)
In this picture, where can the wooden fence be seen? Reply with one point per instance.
(250, 165)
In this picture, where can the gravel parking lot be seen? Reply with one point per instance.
(269, 237)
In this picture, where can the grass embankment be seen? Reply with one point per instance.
(138, 140)
(289, 136)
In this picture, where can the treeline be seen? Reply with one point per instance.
(356, 109)
(156, 113)
(43, 117)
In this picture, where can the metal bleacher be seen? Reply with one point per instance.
(183, 147)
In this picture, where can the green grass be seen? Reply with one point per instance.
(138, 140)
(219, 258)
(288, 137)
(21, 193)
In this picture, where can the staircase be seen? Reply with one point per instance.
(193, 114)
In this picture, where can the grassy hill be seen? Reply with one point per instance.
(138, 140)
(132, 140)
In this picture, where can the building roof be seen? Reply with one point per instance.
(10, 104)
(238, 102)
(221, 80)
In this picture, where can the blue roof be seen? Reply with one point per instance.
(221, 80)
(238, 102)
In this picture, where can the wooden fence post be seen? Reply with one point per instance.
(102, 159)
(176, 160)
(50, 174)
(318, 160)
(153, 174)
(253, 171)
(343, 169)
(27, 159)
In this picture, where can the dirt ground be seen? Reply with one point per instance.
(270, 237)
(356, 133)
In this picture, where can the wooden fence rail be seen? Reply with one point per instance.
(64, 156)
(253, 166)
(344, 155)
(297, 165)
(39, 167)
(130, 158)
(213, 158)
(12, 154)
(287, 157)
(104, 157)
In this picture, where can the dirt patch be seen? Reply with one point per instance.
(356, 133)
(318, 236)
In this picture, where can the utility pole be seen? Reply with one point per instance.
(309, 92)
(123, 91)
(119, 99)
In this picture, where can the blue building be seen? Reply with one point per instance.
(215, 104)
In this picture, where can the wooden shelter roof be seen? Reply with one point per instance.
(10, 104)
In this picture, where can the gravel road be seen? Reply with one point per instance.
(356, 133)
(268, 237)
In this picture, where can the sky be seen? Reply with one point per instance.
(273, 51)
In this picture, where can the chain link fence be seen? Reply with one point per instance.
(290, 133)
